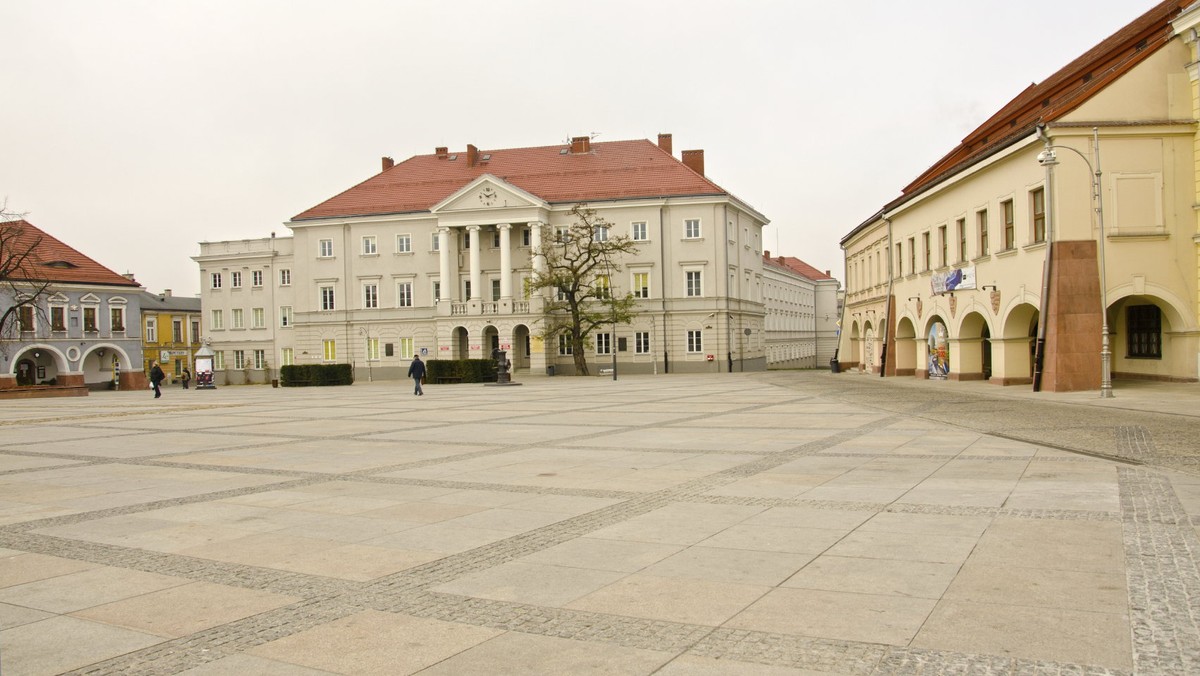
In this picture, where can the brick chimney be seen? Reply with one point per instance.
(766, 254)
(472, 155)
(388, 163)
(581, 144)
(664, 142)
(694, 160)
(442, 152)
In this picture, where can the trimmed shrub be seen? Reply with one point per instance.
(465, 370)
(302, 375)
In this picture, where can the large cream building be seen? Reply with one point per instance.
(432, 256)
(1000, 244)
(801, 304)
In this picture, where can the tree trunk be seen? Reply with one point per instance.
(581, 367)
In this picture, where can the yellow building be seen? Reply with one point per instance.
(170, 332)
(996, 262)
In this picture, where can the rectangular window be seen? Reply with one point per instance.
(25, 318)
(495, 239)
(564, 344)
(603, 343)
(406, 348)
(435, 243)
(285, 277)
(925, 241)
(899, 260)
(116, 318)
(215, 280)
(372, 349)
(329, 348)
(467, 290)
(695, 341)
(369, 247)
(239, 359)
(637, 231)
(526, 237)
(260, 359)
(641, 284)
(58, 321)
(1143, 332)
(177, 330)
(256, 277)
(603, 288)
(944, 245)
(962, 238)
(981, 218)
(601, 234)
(370, 296)
(325, 248)
(437, 290)
(258, 318)
(285, 316)
(691, 228)
(495, 289)
(1039, 215)
(404, 243)
(693, 283)
(195, 331)
(287, 357)
(89, 319)
(562, 235)
(466, 239)
(1010, 233)
(641, 342)
(404, 296)
(326, 298)
(238, 319)
(219, 360)
(235, 280)
(217, 320)
(912, 255)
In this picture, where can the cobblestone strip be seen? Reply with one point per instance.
(177, 565)
(797, 652)
(1134, 440)
(911, 508)
(922, 662)
(181, 654)
(1162, 565)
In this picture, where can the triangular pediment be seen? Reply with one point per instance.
(90, 298)
(58, 297)
(488, 193)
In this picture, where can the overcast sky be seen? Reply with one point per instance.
(134, 130)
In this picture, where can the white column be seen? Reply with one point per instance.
(476, 266)
(447, 285)
(535, 244)
(505, 260)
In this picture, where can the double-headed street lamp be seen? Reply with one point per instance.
(1047, 158)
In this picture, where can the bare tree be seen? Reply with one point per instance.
(22, 282)
(580, 263)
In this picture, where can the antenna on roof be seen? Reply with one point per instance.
(594, 134)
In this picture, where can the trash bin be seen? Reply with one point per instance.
(833, 365)
(550, 370)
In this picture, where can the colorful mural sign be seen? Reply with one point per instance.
(939, 352)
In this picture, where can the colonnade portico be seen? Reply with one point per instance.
(447, 272)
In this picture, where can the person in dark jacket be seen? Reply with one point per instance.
(187, 377)
(156, 378)
(417, 372)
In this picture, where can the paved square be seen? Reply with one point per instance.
(770, 523)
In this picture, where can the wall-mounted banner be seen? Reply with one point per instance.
(959, 278)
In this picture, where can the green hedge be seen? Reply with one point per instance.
(301, 375)
(468, 370)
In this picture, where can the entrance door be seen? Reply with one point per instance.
(986, 347)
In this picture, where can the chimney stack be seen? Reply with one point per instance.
(166, 293)
(442, 152)
(694, 160)
(766, 254)
(388, 163)
(472, 155)
(581, 144)
(664, 142)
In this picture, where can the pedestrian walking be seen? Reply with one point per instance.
(187, 377)
(156, 378)
(416, 371)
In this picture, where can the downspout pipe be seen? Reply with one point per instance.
(887, 302)
(1047, 160)
(662, 257)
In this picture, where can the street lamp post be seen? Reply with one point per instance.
(1048, 159)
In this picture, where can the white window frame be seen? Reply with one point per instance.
(325, 248)
(372, 350)
(256, 278)
(641, 342)
(214, 280)
(370, 296)
(285, 316)
(239, 359)
(258, 318)
(152, 329)
(600, 234)
(405, 346)
(326, 298)
(564, 345)
(695, 341)
(692, 228)
(285, 277)
(404, 243)
(370, 245)
(235, 280)
(689, 291)
(260, 359)
(218, 360)
(637, 289)
(435, 242)
(237, 319)
(216, 321)
(287, 357)
(404, 294)
(329, 350)
(604, 343)
(639, 232)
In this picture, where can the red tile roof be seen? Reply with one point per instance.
(1057, 95)
(611, 170)
(51, 260)
(795, 265)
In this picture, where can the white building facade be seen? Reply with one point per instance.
(802, 313)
